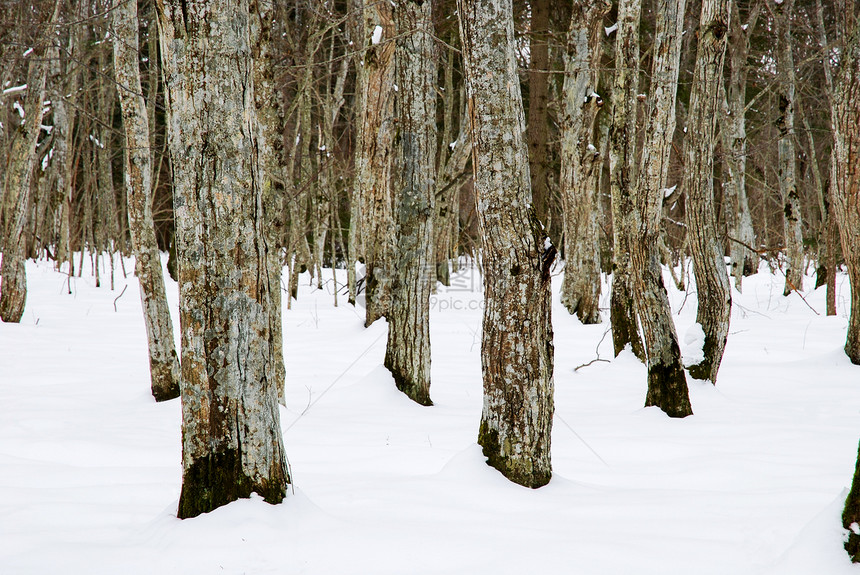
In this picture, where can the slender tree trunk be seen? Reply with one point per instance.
(231, 433)
(17, 182)
(787, 159)
(537, 128)
(375, 80)
(580, 160)
(408, 353)
(667, 382)
(622, 166)
(712, 280)
(516, 346)
(734, 138)
(163, 361)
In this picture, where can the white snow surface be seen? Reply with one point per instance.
(376, 37)
(753, 483)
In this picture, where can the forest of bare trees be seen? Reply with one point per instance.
(376, 144)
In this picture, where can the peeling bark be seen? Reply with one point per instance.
(231, 433)
(163, 361)
(709, 268)
(580, 160)
(516, 345)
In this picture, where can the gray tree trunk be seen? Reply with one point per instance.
(537, 128)
(667, 382)
(734, 138)
(270, 144)
(231, 433)
(785, 146)
(580, 160)
(17, 182)
(516, 346)
(408, 353)
(622, 176)
(709, 268)
(163, 361)
(374, 154)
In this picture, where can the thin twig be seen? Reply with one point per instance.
(119, 296)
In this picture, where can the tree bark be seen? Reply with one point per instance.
(17, 183)
(374, 154)
(537, 127)
(231, 433)
(163, 361)
(516, 346)
(622, 176)
(580, 160)
(709, 268)
(846, 135)
(270, 144)
(793, 230)
(734, 138)
(408, 353)
(667, 382)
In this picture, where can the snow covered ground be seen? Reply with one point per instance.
(753, 483)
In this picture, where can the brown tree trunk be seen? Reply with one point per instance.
(785, 146)
(408, 353)
(231, 433)
(622, 166)
(163, 361)
(580, 160)
(667, 382)
(846, 135)
(709, 267)
(17, 182)
(537, 127)
(516, 346)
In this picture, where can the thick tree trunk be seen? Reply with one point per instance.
(580, 160)
(846, 135)
(712, 280)
(622, 176)
(231, 433)
(516, 346)
(17, 182)
(734, 138)
(786, 155)
(374, 154)
(408, 352)
(163, 361)
(667, 382)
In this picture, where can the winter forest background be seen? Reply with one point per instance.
(271, 209)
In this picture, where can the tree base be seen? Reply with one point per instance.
(520, 470)
(667, 389)
(218, 479)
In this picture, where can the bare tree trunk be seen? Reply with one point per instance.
(537, 128)
(516, 346)
(622, 166)
(734, 137)
(231, 433)
(375, 80)
(580, 160)
(846, 135)
(17, 182)
(709, 267)
(270, 144)
(408, 353)
(163, 361)
(785, 146)
(667, 382)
